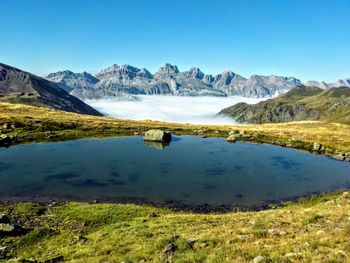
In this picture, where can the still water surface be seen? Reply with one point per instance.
(191, 170)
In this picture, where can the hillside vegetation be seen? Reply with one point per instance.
(23, 123)
(313, 230)
(300, 104)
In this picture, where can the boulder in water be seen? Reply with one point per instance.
(157, 136)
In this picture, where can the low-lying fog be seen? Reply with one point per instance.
(199, 110)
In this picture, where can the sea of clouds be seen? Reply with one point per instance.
(196, 110)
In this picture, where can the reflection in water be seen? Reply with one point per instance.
(194, 171)
(157, 145)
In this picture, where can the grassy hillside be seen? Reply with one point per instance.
(299, 104)
(313, 230)
(17, 86)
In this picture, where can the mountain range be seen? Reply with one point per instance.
(299, 104)
(126, 81)
(324, 85)
(17, 86)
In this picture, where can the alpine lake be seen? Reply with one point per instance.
(189, 173)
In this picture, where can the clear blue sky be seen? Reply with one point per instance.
(308, 39)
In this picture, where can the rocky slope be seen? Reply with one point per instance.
(301, 103)
(17, 86)
(68, 80)
(125, 81)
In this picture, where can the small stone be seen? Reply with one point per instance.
(80, 239)
(259, 259)
(7, 125)
(231, 139)
(317, 146)
(168, 251)
(339, 157)
(345, 195)
(291, 254)
(233, 132)
(27, 260)
(5, 140)
(203, 244)
(320, 232)
(6, 228)
(191, 241)
(216, 131)
(276, 232)
(4, 219)
(3, 248)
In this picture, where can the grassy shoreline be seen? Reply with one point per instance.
(315, 229)
(26, 124)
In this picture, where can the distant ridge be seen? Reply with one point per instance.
(126, 80)
(17, 86)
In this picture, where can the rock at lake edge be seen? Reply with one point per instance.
(317, 146)
(231, 139)
(157, 136)
(5, 140)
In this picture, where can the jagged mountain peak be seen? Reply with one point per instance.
(194, 72)
(61, 73)
(65, 75)
(168, 69)
(227, 78)
(144, 73)
(123, 72)
(69, 80)
(114, 68)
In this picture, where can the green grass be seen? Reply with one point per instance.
(315, 229)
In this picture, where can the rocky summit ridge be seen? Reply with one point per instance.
(126, 81)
